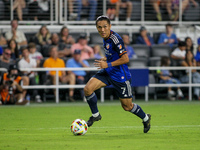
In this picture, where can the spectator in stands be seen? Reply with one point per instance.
(144, 38)
(43, 36)
(189, 44)
(15, 34)
(15, 52)
(34, 54)
(86, 51)
(173, 5)
(65, 37)
(11, 87)
(190, 61)
(167, 78)
(6, 60)
(129, 48)
(111, 9)
(178, 55)
(97, 52)
(156, 6)
(72, 15)
(55, 62)
(38, 9)
(168, 38)
(76, 61)
(28, 62)
(197, 57)
(63, 51)
(2, 40)
(85, 5)
(123, 4)
(19, 5)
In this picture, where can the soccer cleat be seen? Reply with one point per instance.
(147, 124)
(93, 119)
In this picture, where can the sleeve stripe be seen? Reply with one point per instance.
(114, 38)
(123, 53)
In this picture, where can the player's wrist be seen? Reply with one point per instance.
(109, 64)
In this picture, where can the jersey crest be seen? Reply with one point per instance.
(107, 46)
(119, 46)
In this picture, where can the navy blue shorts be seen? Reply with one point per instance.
(123, 89)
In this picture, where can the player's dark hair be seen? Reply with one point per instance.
(101, 18)
(164, 61)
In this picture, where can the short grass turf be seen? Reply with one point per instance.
(175, 125)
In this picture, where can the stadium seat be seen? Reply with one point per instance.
(141, 50)
(134, 37)
(160, 50)
(154, 61)
(156, 36)
(138, 62)
(30, 36)
(95, 38)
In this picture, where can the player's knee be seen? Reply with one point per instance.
(127, 108)
(87, 91)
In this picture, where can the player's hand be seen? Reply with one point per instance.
(103, 59)
(100, 64)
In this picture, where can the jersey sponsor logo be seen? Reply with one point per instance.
(107, 46)
(119, 46)
(121, 51)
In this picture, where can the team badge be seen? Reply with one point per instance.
(107, 46)
(122, 77)
(119, 46)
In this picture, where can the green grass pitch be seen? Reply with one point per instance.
(175, 126)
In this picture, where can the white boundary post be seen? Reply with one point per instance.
(57, 88)
(102, 95)
(190, 82)
(146, 93)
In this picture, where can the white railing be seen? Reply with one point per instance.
(58, 14)
(57, 86)
(140, 12)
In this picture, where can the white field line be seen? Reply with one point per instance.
(113, 127)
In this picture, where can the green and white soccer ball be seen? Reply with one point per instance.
(79, 127)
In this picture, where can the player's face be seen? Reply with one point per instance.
(103, 28)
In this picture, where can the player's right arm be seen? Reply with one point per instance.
(103, 64)
(104, 59)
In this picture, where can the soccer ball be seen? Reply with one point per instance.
(79, 127)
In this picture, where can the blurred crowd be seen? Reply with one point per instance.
(128, 10)
(60, 50)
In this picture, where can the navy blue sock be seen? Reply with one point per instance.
(92, 101)
(137, 110)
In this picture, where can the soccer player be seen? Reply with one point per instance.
(114, 71)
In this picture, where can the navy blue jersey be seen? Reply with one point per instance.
(114, 49)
